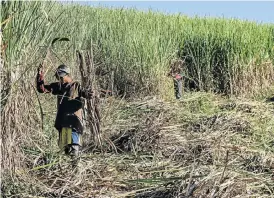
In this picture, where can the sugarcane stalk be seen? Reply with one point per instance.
(86, 67)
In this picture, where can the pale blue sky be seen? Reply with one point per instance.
(260, 11)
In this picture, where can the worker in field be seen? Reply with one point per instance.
(176, 72)
(69, 118)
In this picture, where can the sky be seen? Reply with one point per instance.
(259, 11)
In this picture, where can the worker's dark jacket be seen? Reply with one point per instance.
(69, 102)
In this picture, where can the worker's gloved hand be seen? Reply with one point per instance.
(40, 75)
(40, 69)
(90, 93)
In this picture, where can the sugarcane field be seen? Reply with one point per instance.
(101, 102)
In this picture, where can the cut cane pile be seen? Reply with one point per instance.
(201, 146)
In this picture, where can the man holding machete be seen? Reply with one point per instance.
(69, 118)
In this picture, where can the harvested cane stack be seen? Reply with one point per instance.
(87, 71)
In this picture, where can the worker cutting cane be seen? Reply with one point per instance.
(69, 118)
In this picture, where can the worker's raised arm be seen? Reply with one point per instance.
(40, 83)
